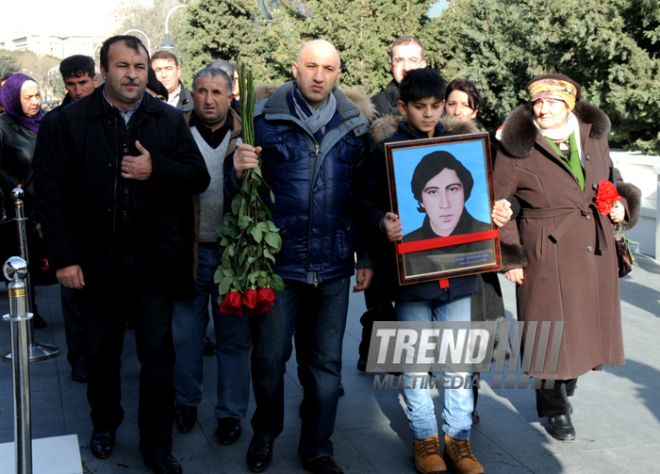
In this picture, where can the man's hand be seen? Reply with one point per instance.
(71, 277)
(246, 157)
(364, 277)
(502, 212)
(515, 275)
(41, 234)
(391, 225)
(137, 167)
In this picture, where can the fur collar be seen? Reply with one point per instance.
(519, 131)
(385, 127)
(359, 99)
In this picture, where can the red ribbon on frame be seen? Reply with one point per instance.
(448, 241)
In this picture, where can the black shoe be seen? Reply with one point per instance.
(323, 465)
(228, 431)
(362, 364)
(561, 428)
(38, 321)
(209, 347)
(185, 417)
(259, 454)
(102, 443)
(163, 464)
(78, 372)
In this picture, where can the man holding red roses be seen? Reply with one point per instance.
(311, 139)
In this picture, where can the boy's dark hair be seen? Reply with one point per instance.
(421, 84)
(432, 165)
(77, 66)
(474, 96)
(130, 41)
(165, 55)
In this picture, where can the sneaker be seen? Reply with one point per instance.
(427, 455)
(458, 454)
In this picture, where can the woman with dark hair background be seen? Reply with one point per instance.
(463, 101)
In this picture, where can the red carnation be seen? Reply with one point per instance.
(606, 196)
(250, 301)
(233, 304)
(265, 299)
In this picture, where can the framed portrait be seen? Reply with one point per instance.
(442, 190)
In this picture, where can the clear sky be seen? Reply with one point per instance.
(69, 17)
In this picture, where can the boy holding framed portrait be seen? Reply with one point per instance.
(441, 189)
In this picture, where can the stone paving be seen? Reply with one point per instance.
(616, 412)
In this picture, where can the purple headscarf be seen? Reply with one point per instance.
(11, 101)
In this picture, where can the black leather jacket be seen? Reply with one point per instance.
(16, 151)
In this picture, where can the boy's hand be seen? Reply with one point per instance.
(391, 226)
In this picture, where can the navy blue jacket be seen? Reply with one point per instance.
(386, 130)
(317, 186)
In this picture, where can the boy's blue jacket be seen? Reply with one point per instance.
(395, 129)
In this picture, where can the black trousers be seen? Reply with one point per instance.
(554, 401)
(106, 310)
(74, 326)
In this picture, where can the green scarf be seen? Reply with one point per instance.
(572, 161)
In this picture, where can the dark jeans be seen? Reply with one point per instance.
(379, 308)
(318, 318)
(106, 310)
(74, 326)
(554, 401)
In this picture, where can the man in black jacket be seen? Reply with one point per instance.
(406, 54)
(117, 217)
(168, 72)
(80, 80)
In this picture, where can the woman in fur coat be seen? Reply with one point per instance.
(560, 251)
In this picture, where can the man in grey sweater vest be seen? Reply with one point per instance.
(216, 129)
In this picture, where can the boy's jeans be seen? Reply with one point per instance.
(459, 403)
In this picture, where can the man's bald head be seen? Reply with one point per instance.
(319, 43)
(317, 70)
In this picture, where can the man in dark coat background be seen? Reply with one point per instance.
(117, 212)
(80, 80)
(406, 54)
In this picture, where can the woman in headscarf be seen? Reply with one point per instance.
(19, 125)
(560, 251)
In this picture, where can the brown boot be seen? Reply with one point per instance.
(458, 453)
(427, 456)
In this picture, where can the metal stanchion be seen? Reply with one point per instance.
(35, 351)
(16, 270)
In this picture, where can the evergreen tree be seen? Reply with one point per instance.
(501, 45)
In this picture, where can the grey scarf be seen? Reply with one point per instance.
(316, 119)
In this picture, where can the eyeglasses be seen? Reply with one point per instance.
(411, 61)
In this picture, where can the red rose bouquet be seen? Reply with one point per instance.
(248, 235)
